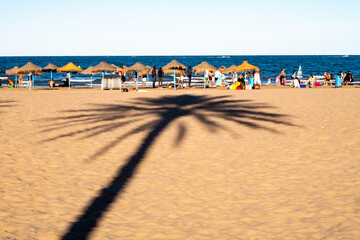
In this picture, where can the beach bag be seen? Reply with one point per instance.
(317, 84)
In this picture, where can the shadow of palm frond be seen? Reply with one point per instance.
(6, 103)
(103, 118)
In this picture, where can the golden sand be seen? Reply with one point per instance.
(270, 164)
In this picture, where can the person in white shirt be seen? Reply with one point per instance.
(217, 75)
(257, 79)
(207, 78)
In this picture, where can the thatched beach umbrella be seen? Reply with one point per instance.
(50, 68)
(229, 69)
(70, 68)
(245, 67)
(116, 67)
(139, 68)
(221, 68)
(104, 67)
(90, 71)
(13, 71)
(31, 68)
(173, 66)
(202, 67)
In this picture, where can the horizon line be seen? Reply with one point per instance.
(180, 55)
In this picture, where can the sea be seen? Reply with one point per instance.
(270, 66)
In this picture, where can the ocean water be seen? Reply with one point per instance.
(270, 66)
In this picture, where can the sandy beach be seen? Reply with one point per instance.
(188, 164)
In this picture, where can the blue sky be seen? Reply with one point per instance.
(197, 27)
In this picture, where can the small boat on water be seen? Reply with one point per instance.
(345, 56)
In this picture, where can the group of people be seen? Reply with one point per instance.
(329, 79)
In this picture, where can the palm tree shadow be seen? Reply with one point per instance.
(6, 103)
(166, 110)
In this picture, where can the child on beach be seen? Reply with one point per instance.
(269, 81)
(311, 81)
(277, 81)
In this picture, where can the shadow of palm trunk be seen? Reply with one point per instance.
(82, 228)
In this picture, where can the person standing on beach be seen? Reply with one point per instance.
(216, 75)
(206, 76)
(277, 80)
(153, 72)
(29, 79)
(21, 80)
(123, 77)
(181, 79)
(283, 77)
(257, 79)
(189, 75)
(234, 77)
(348, 78)
(160, 75)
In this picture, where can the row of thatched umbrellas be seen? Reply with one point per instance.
(173, 66)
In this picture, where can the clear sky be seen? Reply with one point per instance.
(187, 27)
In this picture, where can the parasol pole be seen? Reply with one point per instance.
(137, 76)
(204, 81)
(33, 79)
(51, 79)
(102, 81)
(15, 80)
(174, 80)
(91, 81)
(69, 79)
(29, 82)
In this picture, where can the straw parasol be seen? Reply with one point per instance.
(70, 67)
(221, 68)
(138, 67)
(15, 70)
(50, 67)
(202, 67)
(89, 70)
(173, 65)
(245, 67)
(229, 69)
(30, 68)
(104, 67)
